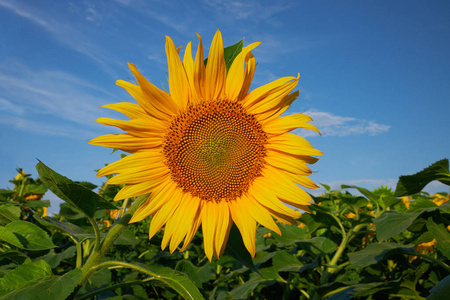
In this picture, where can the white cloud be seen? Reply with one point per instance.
(65, 32)
(34, 100)
(333, 125)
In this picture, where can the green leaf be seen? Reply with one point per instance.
(54, 259)
(441, 290)
(5, 194)
(391, 223)
(231, 52)
(374, 253)
(73, 230)
(285, 262)
(73, 193)
(178, 281)
(38, 203)
(25, 235)
(14, 256)
(46, 288)
(9, 213)
(22, 274)
(207, 272)
(236, 248)
(267, 277)
(412, 184)
(188, 267)
(290, 234)
(318, 245)
(441, 235)
(127, 238)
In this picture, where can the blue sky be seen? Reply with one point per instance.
(374, 76)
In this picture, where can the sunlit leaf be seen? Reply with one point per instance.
(412, 184)
(46, 288)
(25, 235)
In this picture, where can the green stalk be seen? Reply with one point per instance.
(102, 247)
(113, 287)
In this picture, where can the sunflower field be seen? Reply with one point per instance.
(355, 244)
(211, 154)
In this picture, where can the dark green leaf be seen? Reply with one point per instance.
(26, 235)
(441, 290)
(5, 194)
(21, 275)
(231, 52)
(9, 213)
(206, 272)
(236, 248)
(188, 267)
(285, 262)
(54, 259)
(73, 230)
(412, 184)
(127, 238)
(14, 256)
(267, 277)
(38, 203)
(441, 235)
(290, 234)
(178, 281)
(391, 223)
(318, 245)
(46, 288)
(73, 193)
(374, 253)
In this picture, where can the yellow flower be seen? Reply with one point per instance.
(210, 153)
(439, 199)
(406, 201)
(19, 175)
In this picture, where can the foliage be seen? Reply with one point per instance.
(355, 244)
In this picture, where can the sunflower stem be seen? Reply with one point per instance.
(93, 264)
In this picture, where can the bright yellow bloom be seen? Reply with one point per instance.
(19, 175)
(439, 199)
(406, 201)
(210, 153)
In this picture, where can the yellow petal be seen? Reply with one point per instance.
(159, 196)
(196, 224)
(285, 124)
(216, 71)
(236, 73)
(248, 75)
(287, 162)
(292, 143)
(141, 160)
(131, 110)
(222, 227)
(259, 213)
(131, 177)
(209, 228)
(271, 100)
(137, 127)
(161, 217)
(200, 71)
(126, 142)
(246, 225)
(182, 220)
(188, 64)
(178, 81)
(268, 199)
(157, 98)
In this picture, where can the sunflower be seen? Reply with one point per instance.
(211, 153)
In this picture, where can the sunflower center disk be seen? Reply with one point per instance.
(215, 149)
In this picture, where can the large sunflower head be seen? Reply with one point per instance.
(210, 152)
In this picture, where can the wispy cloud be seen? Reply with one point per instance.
(64, 31)
(34, 100)
(333, 125)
